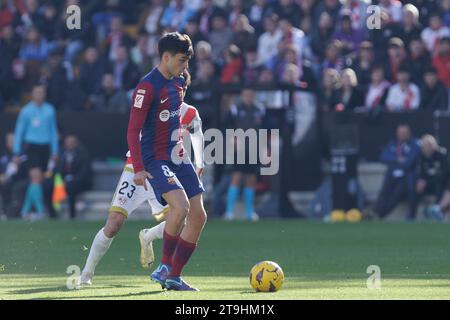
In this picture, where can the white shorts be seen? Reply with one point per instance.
(128, 197)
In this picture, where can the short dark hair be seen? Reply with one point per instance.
(175, 42)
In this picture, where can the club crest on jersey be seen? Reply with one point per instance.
(171, 180)
(122, 201)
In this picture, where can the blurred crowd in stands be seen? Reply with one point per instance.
(322, 46)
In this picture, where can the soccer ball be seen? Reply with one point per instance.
(354, 215)
(266, 276)
(337, 216)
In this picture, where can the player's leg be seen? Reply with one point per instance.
(101, 244)
(249, 197)
(147, 236)
(233, 194)
(187, 243)
(126, 199)
(195, 221)
(178, 209)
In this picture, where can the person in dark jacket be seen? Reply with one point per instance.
(433, 93)
(400, 156)
(432, 171)
(75, 168)
(245, 115)
(13, 180)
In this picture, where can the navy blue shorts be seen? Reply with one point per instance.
(168, 176)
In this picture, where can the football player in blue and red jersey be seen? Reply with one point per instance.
(159, 159)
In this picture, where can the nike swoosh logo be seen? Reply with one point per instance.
(164, 100)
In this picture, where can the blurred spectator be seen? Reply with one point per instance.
(202, 97)
(10, 173)
(91, 71)
(109, 98)
(245, 115)
(268, 99)
(220, 37)
(32, 16)
(433, 93)
(358, 12)
(207, 13)
(256, 14)
(252, 68)
(352, 96)
(293, 36)
(400, 157)
(151, 16)
(125, 72)
(419, 60)
(434, 32)
(322, 35)
(235, 9)
(445, 9)
(288, 10)
(349, 37)
(7, 13)
(9, 49)
(34, 52)
(332, 7)
(433, 171)
(36, 135)
(291, 75)
(193, 31)
(75, 168)
(176, 15)
(380, 37)
(149, 21)
(333, 57)
(442, 61)
(140, 55)
(116, 38)
(411, 26)
(329, 97)
(397, 57)
(202, 53)
(404, 95)
(243, 34)
(289, 55)
(49, 22)
(378, 90)
(306, 22)
(268, 41)
(363, 63)
(394, 9)
(55, 75)
(234, 64)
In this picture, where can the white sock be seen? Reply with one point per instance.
(99, 247)
(156, 232)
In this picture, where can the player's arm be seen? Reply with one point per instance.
(198, 143)
(142, 100)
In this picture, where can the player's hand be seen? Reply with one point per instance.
(141, 177)
(199, 172)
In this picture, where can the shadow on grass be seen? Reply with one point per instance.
(65, 289)
(137, 294)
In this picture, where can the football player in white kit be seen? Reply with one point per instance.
(128, 197)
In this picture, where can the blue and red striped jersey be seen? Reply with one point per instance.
(155, 113)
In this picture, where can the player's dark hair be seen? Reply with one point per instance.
(174, 43)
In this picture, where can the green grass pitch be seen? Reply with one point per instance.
(320, 261)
